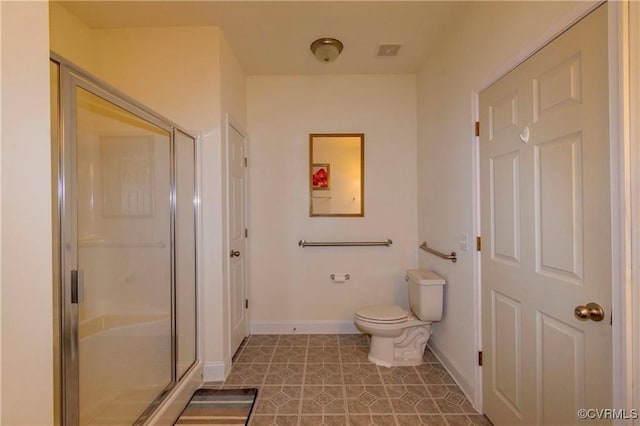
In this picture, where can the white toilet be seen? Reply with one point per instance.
(398, 338)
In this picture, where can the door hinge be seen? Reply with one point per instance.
(477, 128)
(246, 233)
(480, 358)
(246, 162)
(246, 303)
(479, 243)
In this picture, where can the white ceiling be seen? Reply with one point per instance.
(273, 37)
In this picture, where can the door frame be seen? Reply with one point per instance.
(229, 124)
(631, 142)
(623, 289)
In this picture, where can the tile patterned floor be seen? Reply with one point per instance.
(327, 380)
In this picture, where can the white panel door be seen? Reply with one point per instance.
(236, 231)
(545, 207)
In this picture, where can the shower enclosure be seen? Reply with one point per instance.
(126, 251)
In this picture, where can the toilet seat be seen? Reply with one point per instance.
(389, 314)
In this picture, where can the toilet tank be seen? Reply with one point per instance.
(425, 294)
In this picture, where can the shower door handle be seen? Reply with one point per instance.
(77, 286)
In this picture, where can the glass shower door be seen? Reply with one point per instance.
(118, 259)
(185, 229)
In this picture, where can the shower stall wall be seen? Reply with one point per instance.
(127, 252)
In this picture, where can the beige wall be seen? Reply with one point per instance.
(172, 70)
(489, 38)
(26, 278)
(233, 89)
(290, 286)
(70, 37)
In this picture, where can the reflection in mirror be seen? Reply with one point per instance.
(336, 174)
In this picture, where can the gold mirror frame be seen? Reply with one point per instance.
(327, 185)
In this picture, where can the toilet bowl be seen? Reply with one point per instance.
(398, 337)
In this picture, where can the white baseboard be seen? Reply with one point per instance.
(303, 327)
(461, 379)
(216, 371)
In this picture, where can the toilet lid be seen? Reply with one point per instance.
(388, 313)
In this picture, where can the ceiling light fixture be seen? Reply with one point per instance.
(326, 49)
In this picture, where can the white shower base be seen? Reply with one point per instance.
(125, 362)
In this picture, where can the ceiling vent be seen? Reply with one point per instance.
(388, 49)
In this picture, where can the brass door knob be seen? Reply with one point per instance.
(592, 311)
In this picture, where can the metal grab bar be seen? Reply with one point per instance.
(303, 243)
(120, 244)
(452, 257)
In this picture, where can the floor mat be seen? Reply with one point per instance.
(219, 407)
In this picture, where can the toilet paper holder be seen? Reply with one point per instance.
(342, 278)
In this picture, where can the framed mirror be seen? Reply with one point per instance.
(336, 174)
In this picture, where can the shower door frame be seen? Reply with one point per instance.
(71, 77)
